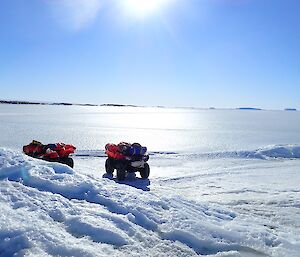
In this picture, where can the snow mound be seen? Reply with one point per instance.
(49, 209)
(275, 151)
(280, 151)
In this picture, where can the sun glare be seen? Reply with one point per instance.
(144, 8)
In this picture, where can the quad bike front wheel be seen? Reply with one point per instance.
(121, 173)
(68, 161)
(109, 167)
(145, 172)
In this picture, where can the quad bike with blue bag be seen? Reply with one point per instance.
(127, 158)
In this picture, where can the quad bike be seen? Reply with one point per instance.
(126, 158)
(58, 152)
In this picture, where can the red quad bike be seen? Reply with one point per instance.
(126, 157)
(58, 152)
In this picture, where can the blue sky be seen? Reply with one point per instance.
(201, 53)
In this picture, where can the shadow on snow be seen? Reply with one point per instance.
(131, 180)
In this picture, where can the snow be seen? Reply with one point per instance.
(49, 209)
(222, 183)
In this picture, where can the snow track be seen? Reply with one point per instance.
(49, 209)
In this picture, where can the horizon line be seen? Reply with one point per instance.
(22, 102)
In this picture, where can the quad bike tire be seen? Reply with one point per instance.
(145, 172)
(109, 167)
(121, 173)
(68, 161)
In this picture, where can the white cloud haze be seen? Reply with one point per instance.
(75, 14)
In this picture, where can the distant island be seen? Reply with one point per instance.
(120, 105)
(35, 103)
(290, 109)
(249, 108)
(68, 104)
(20, 102)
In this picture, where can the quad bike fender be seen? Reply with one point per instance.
(138, 164)
(112, 151)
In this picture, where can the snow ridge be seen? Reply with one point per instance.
(270, 152)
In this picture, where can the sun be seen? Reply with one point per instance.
(143, 8)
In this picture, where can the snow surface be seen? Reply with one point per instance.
(49, 209)
(222, 183)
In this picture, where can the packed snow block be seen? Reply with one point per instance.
(57, 215)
